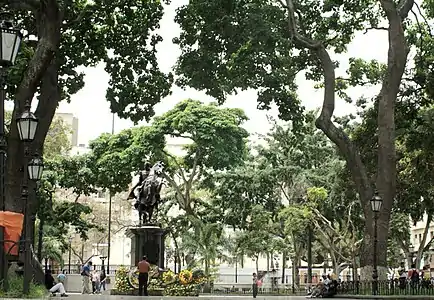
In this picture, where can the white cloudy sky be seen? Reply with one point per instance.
(93, 111)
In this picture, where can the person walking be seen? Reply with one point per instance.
(85, 278)
(144, 268)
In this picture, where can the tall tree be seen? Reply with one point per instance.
(81, 33)
(263, 45)
(213, 139)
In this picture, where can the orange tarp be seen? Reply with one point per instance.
(13, 226)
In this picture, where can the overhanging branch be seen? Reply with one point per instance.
(324, 122)
(404, 7)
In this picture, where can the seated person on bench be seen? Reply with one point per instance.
(54, 287)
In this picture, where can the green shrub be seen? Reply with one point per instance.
(16, 289)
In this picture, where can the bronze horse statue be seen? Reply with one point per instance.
(147, 191)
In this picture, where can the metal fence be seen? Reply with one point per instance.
(384, 288)
(387, 288)
(76, 269)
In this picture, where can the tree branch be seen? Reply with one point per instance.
(324, 122)
(425, 234)
(175, 186)
(404, 7)
(194, 169)
(180, 169)
(375, 28)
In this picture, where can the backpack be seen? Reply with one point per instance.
(414, 275)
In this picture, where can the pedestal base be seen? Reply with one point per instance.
(147, 240)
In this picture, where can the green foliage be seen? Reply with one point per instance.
(74, 174)
(52, 247)
(297, 218)
(316, 195)
(190, 290)
(257, 238)
(122, 35)
(115, 157)
(16, 289)
(216, 141)
(231, 45)
(57, 140)
(122, 283)
(238, 190)
(399, 239)
(58, 215)
(204, 240)
(127, 28)
(416, 167)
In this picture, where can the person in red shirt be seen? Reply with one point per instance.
(144, 268)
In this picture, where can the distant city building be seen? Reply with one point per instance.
(416, 236)
(79, 150)
(71, 121)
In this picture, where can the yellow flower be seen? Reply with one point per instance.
(168, 276)
(185, 277)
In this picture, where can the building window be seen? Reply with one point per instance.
(432, 234)
(420, 237)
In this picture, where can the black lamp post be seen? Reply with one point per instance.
(27, 124)
(69, 255)
(10, 41)
(103, 258)
(376, 203)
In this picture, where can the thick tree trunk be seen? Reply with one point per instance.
(48, 18)
(386, 168)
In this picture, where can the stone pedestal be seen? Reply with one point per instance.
(147, 240)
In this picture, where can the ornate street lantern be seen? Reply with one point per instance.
(10, 41)
(35, 168)
(376, 203)
(27, 124)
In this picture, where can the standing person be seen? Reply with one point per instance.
(103, 278)
(413, 276)
(95, 282)
(144, 268)
(85, 278)
(255, 285)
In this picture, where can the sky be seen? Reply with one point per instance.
(93, 111)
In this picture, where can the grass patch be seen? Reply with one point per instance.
(16, 289)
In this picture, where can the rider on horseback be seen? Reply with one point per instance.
(147, 191)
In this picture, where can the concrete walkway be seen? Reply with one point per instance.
(231, 297)
(109, 297)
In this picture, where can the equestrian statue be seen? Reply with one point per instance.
(147, 191)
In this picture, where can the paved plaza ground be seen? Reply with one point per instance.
(215, 297)
(108, 297)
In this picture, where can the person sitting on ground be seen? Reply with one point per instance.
(54, 287)
(320, 287)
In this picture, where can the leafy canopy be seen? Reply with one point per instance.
(230, 45)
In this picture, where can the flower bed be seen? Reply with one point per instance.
(167, 283)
